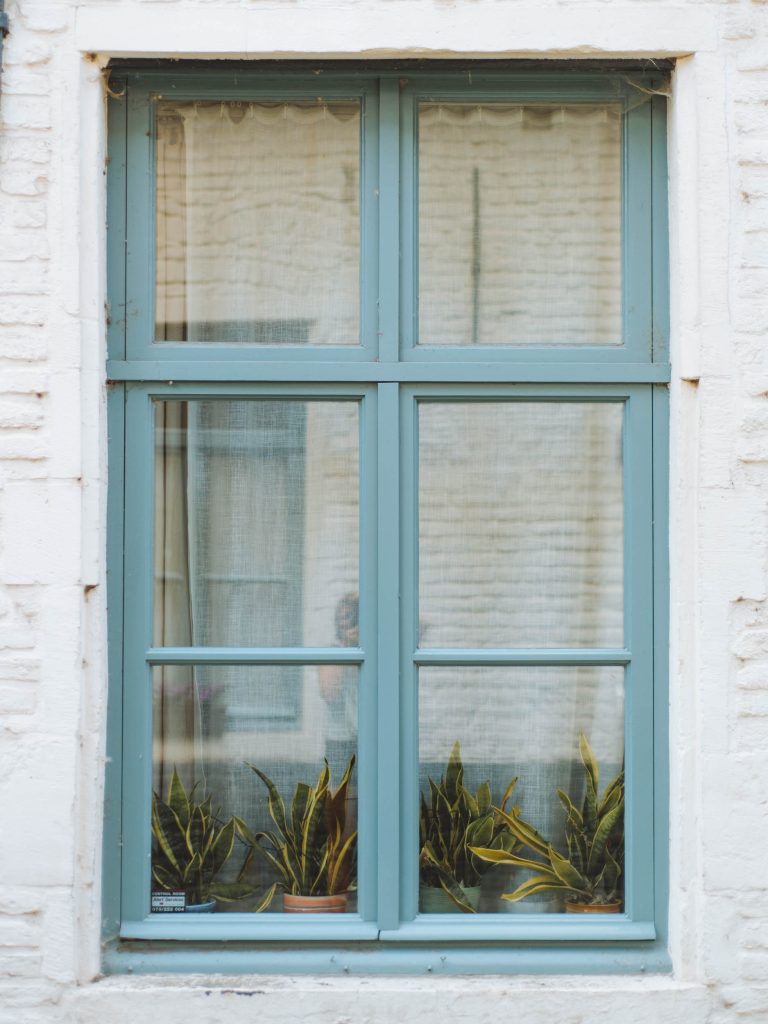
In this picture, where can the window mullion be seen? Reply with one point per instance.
(637, 240)
(638, 631)
(388, 718)
(137, 687)
(389, 219)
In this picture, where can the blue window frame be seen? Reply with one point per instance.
(407, 384)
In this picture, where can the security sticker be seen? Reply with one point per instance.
(168, 901)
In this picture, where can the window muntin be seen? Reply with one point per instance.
(388, 839)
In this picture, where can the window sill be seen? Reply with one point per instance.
(377, 959)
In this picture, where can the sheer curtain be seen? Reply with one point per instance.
(257, 539)
(257, 511)
(521, 546)
(520, 224)
(257, 239)
(258, 222)
(175, 707)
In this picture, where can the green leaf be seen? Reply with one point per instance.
(533, 886)
(567, 874)
(502, 857)
(336, 804)
(602, 833)
(504, 841)
(434, 794)
(614, 786)
(316, 884)
(424, 819)
(592, 774)
(479, 832)
(428, 854)
(313, 835)
(444, 818)
(466, 806)
(456, 894)
(574, 815)
(508, 793)
(230, 892)
(195, 832)
(221, 849)
(525, 833)
(169, 834)
(454, 773)
(275, 803)
(191, 869)
(484, 798)
(490, 855)
(166, 879)
(610, 873)
(340, 872)
(244, 832)
(177, 799)
(280, 866)
(453, 890)
(577, 849)
(269, 895)
(299, 808)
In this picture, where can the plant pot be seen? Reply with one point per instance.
(437, 901)
(200, 908)
(532, 905)
(593, 908)
(315, 904)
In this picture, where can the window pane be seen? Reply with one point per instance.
(520, 524)
(256, 523)
(511, 723)
(519, 224)
(258, 222)
(211, 722)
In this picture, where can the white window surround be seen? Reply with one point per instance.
(698, 209)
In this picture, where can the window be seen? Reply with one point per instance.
(387, 424)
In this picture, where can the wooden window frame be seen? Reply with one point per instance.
(388, 375)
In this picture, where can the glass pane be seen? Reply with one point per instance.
(509, 723)
(258, 222)
(519, 224)
(211, 724)
(520, 524)
(256, 523)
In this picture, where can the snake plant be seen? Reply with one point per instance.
(590, 869)
(190, 847)
(309, 848)
(452, 824)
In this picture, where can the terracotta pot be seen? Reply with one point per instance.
(593, 908)
(315, 904)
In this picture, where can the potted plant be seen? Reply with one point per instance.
(309, 849)
(589, 873)
(190, 847)
(450, 826)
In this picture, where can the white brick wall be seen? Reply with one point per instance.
(52, 474)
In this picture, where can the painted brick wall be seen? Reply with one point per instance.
(52, 476)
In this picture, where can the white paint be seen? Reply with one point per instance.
(485, 28)
(52, 500)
